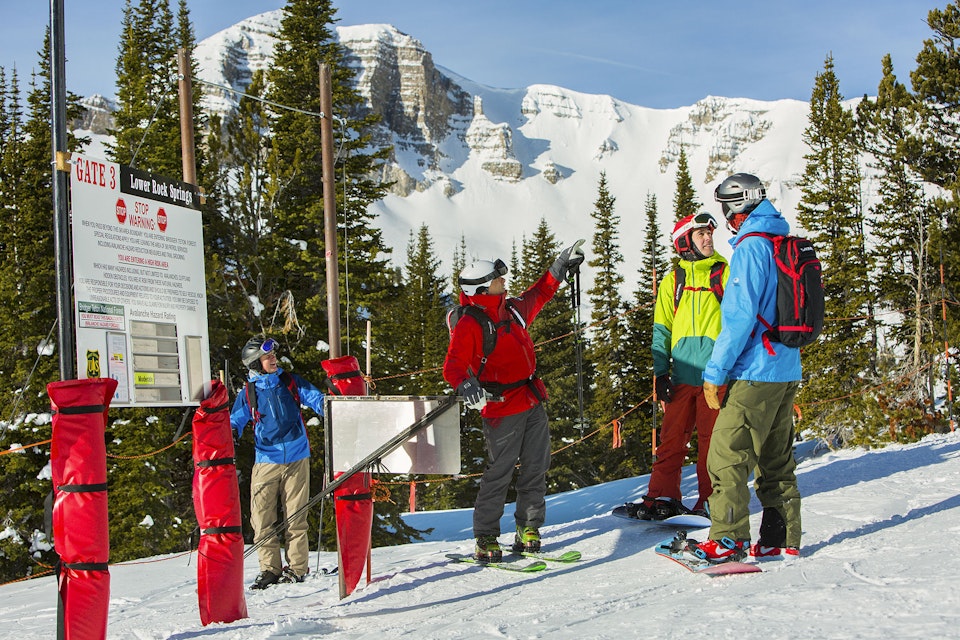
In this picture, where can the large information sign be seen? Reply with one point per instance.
(139, 284)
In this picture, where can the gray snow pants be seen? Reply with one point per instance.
(523, 437)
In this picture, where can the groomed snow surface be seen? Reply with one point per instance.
(878, 561)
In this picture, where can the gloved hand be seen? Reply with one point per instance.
(711, 395)
(236, 439)
(473, 394)
(568, 261)
(664, 388)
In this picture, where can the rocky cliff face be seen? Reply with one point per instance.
(418, 106)
(97, 115)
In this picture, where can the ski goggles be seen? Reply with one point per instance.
(267, 347)
(699, 221)
(499, 270)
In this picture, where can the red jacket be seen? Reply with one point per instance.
(512, 359)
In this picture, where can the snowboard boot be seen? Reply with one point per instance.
(701, 509)
(288, 576)
(488, 549)
(527, 539)
(664, 508)
(763, 552)
(717, 551)
(264, 580)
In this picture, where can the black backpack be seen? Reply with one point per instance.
(800, 304)
(680, 281)
(487, 326)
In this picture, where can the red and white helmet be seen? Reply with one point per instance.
(683, 235)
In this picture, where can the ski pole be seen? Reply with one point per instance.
(574, 282)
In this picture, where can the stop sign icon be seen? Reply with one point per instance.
(121, 210)
(162, 219)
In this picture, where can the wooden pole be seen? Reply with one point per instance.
(329, 211)
(185, 86)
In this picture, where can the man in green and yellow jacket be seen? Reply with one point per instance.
(686, 323)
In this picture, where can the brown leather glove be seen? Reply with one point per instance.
(711, 395)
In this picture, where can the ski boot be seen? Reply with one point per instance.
(527, 539)
(488, 549)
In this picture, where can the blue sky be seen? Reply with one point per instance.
(649, 53)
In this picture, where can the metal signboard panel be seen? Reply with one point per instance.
(357, 425)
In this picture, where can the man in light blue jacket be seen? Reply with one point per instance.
(754, 430)
(271, 400)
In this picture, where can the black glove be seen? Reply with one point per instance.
(568, 261)
(664, 388)
(473, 394)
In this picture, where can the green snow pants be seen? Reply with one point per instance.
(754, 432)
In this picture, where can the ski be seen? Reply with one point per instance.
(566, 556)
(537, 565)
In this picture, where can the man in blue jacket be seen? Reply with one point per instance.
(281, 468)
(754, 430)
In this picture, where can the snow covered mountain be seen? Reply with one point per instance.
(486, 164)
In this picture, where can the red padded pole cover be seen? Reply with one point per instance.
(353, 504)
(354, 511)
(216, 501)
(78, 461)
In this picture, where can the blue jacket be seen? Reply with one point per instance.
(279, 436)
(751, 289)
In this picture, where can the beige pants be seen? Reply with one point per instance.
(290, 485)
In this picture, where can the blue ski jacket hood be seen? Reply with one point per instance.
(751, 289)
(280, 436)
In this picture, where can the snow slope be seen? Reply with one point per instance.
(876, 563)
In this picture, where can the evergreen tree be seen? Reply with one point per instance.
(685, 201)
(28, 297)
(638, 384)
(606, 352)
(935, 153)
(558, 363)
(837, 365)
(146, 129)
(296, 245)
(905, 273)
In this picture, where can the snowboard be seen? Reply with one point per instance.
(683, 521)
(697, 565)
(520, 567)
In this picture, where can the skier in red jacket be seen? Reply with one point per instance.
(515, 425)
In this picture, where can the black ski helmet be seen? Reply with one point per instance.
(255, 348)
(740, 193)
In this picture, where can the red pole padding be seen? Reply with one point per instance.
(216, 501)
(352, 500)
(81, 534)
(354, 511)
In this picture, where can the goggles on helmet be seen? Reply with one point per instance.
(267, 347)
(698, 221)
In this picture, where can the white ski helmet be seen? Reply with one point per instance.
(476, 278)
(740, 193)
